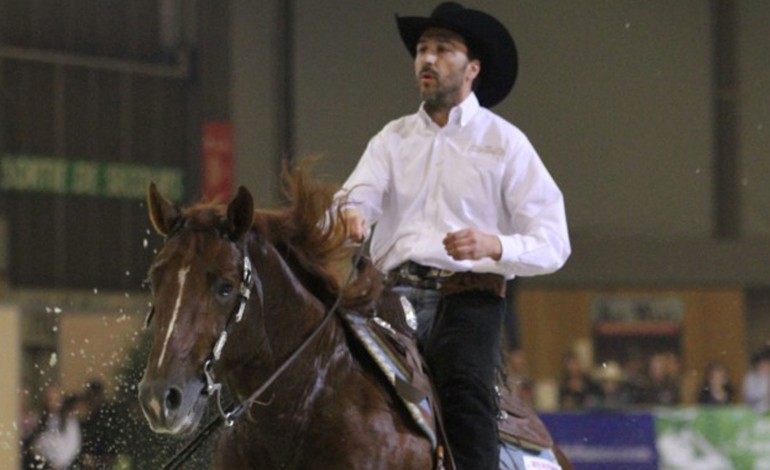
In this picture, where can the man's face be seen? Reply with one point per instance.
(444, 73)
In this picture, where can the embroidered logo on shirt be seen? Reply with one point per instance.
(497, 152)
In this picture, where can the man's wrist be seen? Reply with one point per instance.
(496, 251)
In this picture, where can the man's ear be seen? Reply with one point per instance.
(474, 67)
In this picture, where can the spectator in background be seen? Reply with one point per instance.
(661, 385)
(613, 392)
(519, 380)
(756, 383)
(716, 388)
(635, 377)
(55, 442)
(576, 387)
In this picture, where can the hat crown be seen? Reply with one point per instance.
(446, 9)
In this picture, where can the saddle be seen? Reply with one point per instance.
(397, 356)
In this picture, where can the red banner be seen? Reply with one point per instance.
(218, 163)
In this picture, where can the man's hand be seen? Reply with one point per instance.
(469, 243)
(355, 224)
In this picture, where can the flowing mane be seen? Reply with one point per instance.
(311, 235)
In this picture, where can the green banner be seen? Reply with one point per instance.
(712, 438)
(87, 178)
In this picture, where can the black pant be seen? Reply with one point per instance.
(462, 353)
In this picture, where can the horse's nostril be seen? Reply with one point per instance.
(173, 398)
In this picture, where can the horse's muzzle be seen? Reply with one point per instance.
(172, 408)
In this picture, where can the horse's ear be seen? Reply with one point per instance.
(240, 213)
(163, 213)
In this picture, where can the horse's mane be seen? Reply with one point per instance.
(311, 235)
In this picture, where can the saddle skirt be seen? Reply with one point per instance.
(397, 356)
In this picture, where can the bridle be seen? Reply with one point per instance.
(215, 388)
(244, 294)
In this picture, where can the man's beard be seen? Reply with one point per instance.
(440, 98)
(444, 95)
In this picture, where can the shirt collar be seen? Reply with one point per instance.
(462, 113)
(467, 109)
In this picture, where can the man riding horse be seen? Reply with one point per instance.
(462, 202)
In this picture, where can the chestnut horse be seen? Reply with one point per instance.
(242, 297)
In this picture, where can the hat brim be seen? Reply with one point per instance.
(485, 36)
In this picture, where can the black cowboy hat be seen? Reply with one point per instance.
(485, 37)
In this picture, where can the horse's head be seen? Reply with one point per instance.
(202, 276)
(197, 280)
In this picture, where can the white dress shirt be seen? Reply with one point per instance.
(417, 182)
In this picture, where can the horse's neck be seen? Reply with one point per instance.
(290, 314)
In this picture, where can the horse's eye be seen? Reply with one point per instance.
(224, 290)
